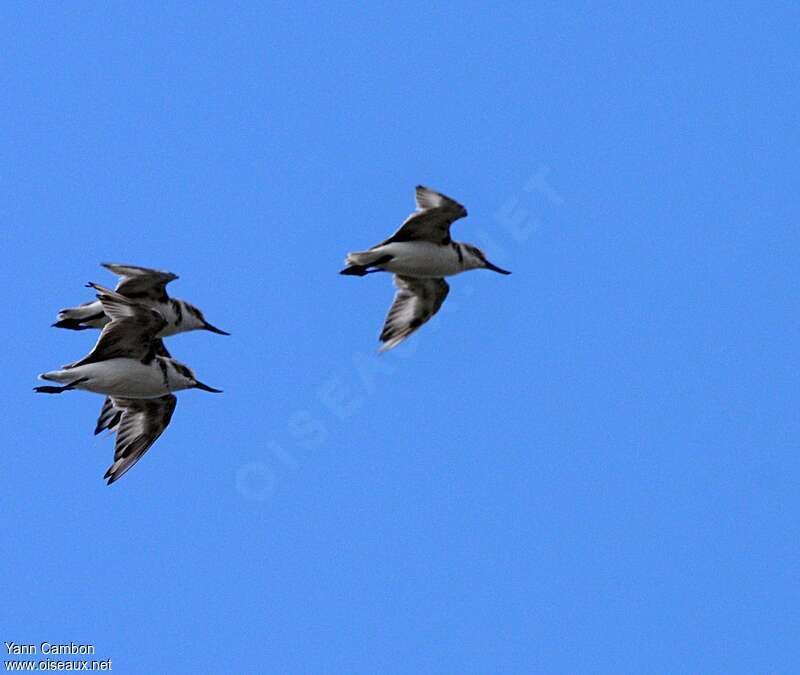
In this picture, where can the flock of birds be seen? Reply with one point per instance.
(130, 365)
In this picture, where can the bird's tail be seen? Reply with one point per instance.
(57, 376)
(87, 315)
(358, 262)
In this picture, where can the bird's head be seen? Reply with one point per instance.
(196, 320)
(476, 259)
(180, 376)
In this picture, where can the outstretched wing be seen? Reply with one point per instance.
(141, 422)
(416, 301)
(141, 283)
(432, 219)
(110, 414)
(131, 333)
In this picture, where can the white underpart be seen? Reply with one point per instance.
(188, 321)
(420, 259)
(126, 378)
(166, 310)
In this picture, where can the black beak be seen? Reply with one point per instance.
(495, 268)
(205, 387)
(214, 329)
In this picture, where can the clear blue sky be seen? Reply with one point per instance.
(589, 466)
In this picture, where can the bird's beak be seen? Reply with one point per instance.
(495, 268)
(214, 329)
(205, 387)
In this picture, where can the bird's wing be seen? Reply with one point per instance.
(141, 283)
(142, 421)
(131, 333)
(160, 349)
(110, 414)
(432, 219)
(416, 301)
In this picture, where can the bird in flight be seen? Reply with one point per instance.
(131, 366)
(420, 254)
(148, 287)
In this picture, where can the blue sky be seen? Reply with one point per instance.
(588, 466)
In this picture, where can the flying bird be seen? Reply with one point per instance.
(131, 366)
(146, 286)
(420, 254)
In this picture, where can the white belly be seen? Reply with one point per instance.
(126, 378)
(421, 259)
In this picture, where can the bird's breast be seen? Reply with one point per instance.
(123, 377)
(422, 259)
